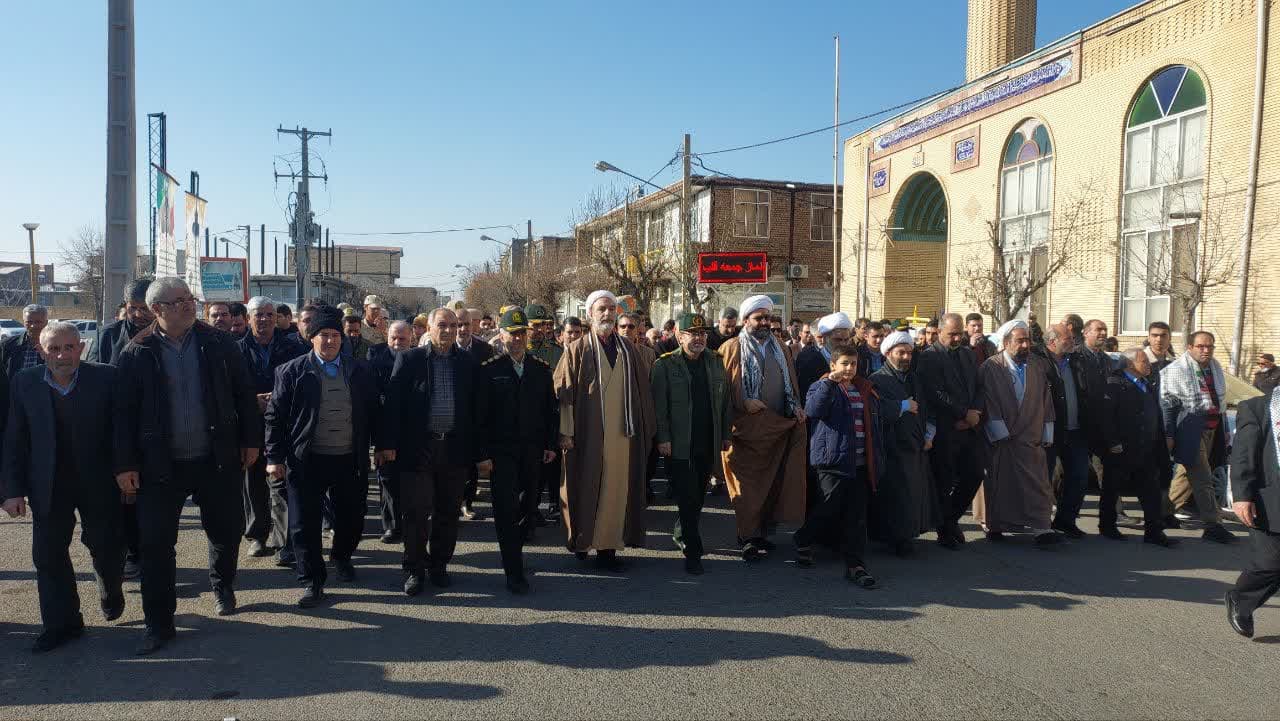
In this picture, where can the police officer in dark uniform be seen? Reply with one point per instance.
(519, 423)
(542, 344)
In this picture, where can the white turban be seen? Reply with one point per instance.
(1006, 329)
(898, 337)
(753, 304)
(597, 295)
(835, 321)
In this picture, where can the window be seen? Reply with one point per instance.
(820, 217)
(1026, 202)
(657, 230)
(750, 213)
(1163, 188)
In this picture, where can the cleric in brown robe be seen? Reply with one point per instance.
(765, 467)
(1017, 406)
(606, 429)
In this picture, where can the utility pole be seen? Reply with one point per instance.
(262, 249)
(690, 283)
(303, 230)
(835, 192)
(31, 238)
(120, 246)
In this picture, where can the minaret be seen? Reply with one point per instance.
(999, 31)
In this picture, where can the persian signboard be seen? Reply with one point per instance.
(733, 267)
(1038, 77)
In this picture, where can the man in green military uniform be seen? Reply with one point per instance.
(519, 422)
(542, 344)
(691, 398)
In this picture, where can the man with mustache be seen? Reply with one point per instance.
(1018, 414)
(765, 466)
(606, 426)
(692, 412)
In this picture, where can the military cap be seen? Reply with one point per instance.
(691, 321)
(514, 319)
(537, 312)
(348, 312)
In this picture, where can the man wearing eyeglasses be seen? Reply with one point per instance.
(190, 426)
(430, 430)
(519, 422)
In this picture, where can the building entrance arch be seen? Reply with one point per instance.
(915, 263)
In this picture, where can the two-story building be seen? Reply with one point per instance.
(789, 222)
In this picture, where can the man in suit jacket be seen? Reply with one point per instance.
(189, 426)
(137, 316)
(382, 360)
(948, 374)
(59, 464)
(481, 351)
(430, 429)
(1255, 492)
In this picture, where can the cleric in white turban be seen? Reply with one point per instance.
(834, 321)
(898, 337)
(753, 304)
(597, 295)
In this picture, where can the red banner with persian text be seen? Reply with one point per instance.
(733, 267)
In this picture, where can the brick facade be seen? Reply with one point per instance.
(785, 242)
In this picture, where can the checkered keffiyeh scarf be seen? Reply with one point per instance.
(1275, 421)
(1181, 380)
(753, 376)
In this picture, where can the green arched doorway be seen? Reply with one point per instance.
(916, 258)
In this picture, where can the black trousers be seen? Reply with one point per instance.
(472, 487)
(279, 496)
(389, 488)
(514, 483)
(1141, 476)
(840, 513)
(432, 497)
(130, 520)
(957, 471)
(551, 482)
(100, 531)
(257, 504)
(1261, 578)
(688, 478)
(160, 509)
(338, 477)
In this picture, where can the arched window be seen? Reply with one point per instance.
(1163, 187)
(1026, 201)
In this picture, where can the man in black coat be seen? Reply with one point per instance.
(481, 351)
(1070, 437)
(430, 430)
(319, 422)
(266, 500)
(814, 361)
(22, 351)
(189, 427)
(1133, 425)
(1255, 493)
(137, 316)
(382, 359)
(519, 422)
(948, 376)
(59, 465)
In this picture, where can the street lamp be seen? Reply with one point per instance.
(31, 240)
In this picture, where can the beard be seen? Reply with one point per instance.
(605, 326)
(762, 334)
(1022, 356)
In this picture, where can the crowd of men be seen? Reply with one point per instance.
(849, 432)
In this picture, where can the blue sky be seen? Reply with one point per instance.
(451, 115)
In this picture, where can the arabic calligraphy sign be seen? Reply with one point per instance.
(733, 267)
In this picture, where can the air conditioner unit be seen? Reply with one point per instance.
(796, 271)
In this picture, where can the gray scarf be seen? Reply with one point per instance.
(753, 375)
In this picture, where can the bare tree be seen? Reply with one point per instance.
(83, 253)
(617, 245)
(1021, 267)
(1182, 249)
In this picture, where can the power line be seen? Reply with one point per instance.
(858, 119)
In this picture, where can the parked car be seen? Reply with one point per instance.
(10, 327)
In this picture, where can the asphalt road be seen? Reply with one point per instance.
(1094, 629)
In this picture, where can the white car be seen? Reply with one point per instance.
(10, 327)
